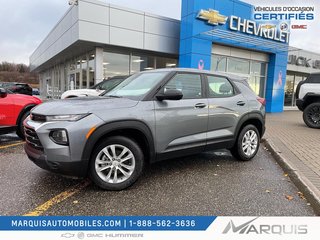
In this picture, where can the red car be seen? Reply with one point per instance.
(14, 108)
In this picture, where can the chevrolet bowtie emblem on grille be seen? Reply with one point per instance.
(212, 16)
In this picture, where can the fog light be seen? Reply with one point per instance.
(59, 136)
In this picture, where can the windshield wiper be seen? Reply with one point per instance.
(113, 96)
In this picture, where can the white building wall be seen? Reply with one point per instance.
(61, 36)
(99, 23)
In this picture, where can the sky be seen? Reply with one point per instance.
(25, 23)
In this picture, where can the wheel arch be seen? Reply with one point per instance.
(133, 129)
(256, 119)
(23, 111)
(311, 98)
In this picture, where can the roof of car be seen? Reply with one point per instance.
(193, 70)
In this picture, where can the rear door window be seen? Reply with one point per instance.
(220, 87)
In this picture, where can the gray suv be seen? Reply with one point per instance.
(151, 116)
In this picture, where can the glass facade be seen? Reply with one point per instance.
(129, 63)
(79, 72)
(292, 82)
(254, 71)
(115, 64)
(141, 63)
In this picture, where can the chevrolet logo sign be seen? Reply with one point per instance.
(268, 26)
(212, 16)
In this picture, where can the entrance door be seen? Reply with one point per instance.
(74, 80)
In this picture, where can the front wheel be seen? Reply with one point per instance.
(116, 163)
(247, 143)
(311, 115)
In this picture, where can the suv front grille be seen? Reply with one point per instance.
(32, 138)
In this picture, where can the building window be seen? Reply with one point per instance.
(162, 62)
(142, 63)
(115, 64)
(84, 66)
(289, 91)
(290, 88)
(218, 63)
(91, 70)
(236, 65)
(254, 71)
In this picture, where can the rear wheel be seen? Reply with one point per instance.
(20, 128)
(116, 163)
(311, 115)
(247, 143)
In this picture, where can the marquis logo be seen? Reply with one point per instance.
(250, 228)
(212, 16)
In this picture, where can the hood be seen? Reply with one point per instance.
(83, 105)
(23, 97)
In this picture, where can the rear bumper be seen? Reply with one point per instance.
(38, 157)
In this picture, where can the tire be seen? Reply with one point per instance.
(106, 169)
(311, 115)
(20, 128)
(241, 149)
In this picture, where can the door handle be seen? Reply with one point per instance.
(200, 105)
(241, 103)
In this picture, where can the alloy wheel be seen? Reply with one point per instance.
(115, 164)
(250, 143)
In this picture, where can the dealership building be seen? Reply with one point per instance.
(94, 41)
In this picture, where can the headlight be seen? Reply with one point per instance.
(69, 117)
(59, 136)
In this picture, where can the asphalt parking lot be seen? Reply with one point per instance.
(206, 184)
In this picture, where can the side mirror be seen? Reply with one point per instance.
(170, 94)
(3, 93)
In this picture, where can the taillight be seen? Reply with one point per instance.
(262, 100)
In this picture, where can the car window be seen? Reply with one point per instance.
(137, 86)
(188, 84)
(7, 84)
(110, 84)
(219, 87)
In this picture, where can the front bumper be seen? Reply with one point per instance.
(38, 157)
(62, 159)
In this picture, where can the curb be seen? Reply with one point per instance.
(311, 193)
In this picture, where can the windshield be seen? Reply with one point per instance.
(137, 86)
